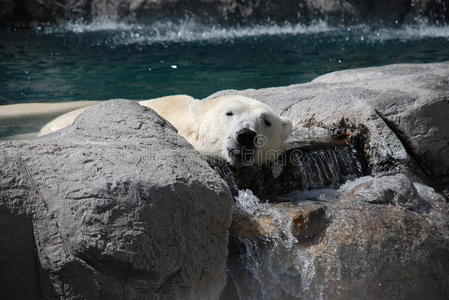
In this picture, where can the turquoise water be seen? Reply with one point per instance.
(107, 60)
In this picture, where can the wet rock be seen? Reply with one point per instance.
(304, 222)
(402, 107)
(222, 11)
(248, 227)
(386, 236)
(227, 11)
(370, 242)
(118, 209)
(307, 164)
(390, 189)
(7, 11)
(307, 220)
(351, 11)
(435, 10)
(389, 12)
(374, 251)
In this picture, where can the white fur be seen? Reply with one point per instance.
(206, 125)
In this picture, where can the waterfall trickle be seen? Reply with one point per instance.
(327, 168)
(317, 165)
(267, 261)
(272, 240)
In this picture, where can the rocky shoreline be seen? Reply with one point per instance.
(126, 209)
(232, 12)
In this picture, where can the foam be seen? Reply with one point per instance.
(121, 33)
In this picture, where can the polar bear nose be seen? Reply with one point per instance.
(245, 137)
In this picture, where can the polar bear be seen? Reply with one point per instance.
(233, 128)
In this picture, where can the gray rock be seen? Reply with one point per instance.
(436, 10)
(116, 206)
(309, 164)
(378, 238)
(360, 11)
(404, 109)
(227, 11)
(383, 236)
(373, 251)
(222, 11)
(395, 189)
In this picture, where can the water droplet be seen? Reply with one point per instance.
(149, 69)
(339, 61)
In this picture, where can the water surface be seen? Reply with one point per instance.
(105, 60)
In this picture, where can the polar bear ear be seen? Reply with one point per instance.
(287, 127)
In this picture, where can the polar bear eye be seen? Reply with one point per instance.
(229, 113)
(267, 123)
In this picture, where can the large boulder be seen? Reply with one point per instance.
(403, 108)
(382, 236)
(376, 238)
(116, 206)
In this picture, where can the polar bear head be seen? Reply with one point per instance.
(238, 129)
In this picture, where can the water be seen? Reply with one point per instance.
(275, 266)
(323, 167)
(327, 168)
(274, 257)
(105, 60)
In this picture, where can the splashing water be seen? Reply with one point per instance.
(249, 204)
(272, 261)
(106, 60)
(275, 268)
(182, 31)
(193, 31)
(327, 168)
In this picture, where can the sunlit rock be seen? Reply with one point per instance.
(115, 206)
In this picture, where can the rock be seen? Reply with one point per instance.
(121, 208)
(402, 107)
(7, 11)
(390, 12)
(308, 164)
(222, 11)
(435, 10)
(382, 236)
(359, 11)
(375, 244)
(390, 189)
(377, 251)
(304, 222)
(227, 11)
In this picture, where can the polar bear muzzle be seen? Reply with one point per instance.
(246, 137)
(243, 148)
